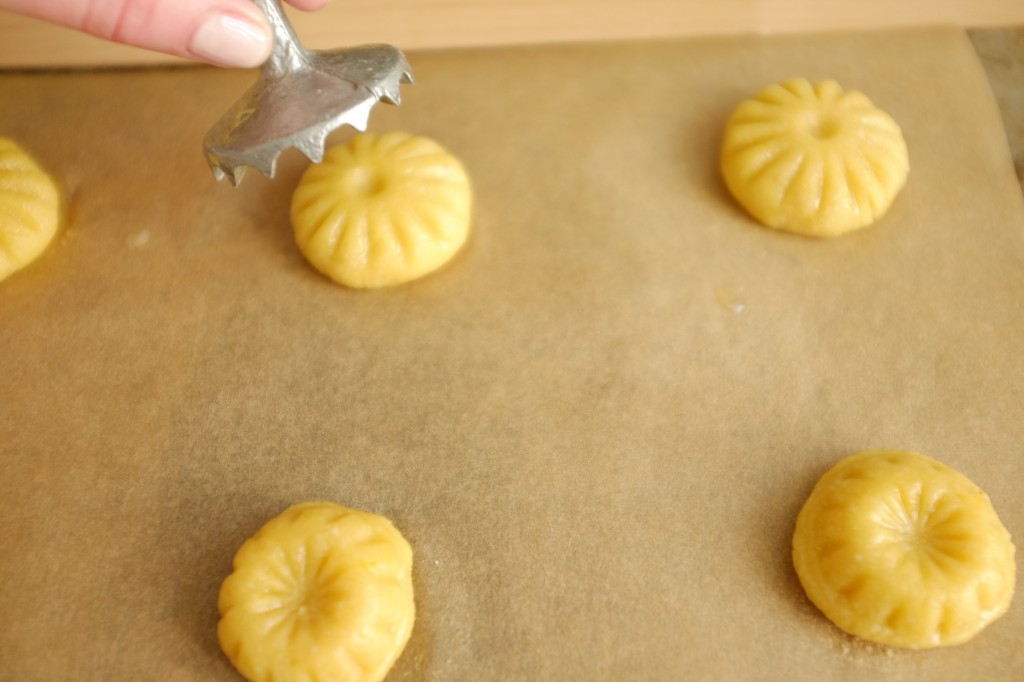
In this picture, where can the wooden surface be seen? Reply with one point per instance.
(414, 24)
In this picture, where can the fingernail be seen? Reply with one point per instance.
(231, 41)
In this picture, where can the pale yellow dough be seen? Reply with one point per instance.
(813, 159)
(29, 208)
(321, 592)
(899, 549)
(382, 210)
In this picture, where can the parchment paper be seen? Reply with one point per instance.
(595, 426)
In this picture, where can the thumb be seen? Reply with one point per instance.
(231, 33)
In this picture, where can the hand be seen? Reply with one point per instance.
(230, 33)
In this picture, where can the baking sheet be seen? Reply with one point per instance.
(595, 426)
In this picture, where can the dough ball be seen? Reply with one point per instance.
(382, 210)
(813, 160)
(29, 208)
(897, 548)
(319, 593)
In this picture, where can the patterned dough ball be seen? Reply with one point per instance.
(899, 549)
(319, 593)
(813, 159)
(382, 210)
(29, 208)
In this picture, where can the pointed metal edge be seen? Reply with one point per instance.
(236, 175)
(358, 118)
(313, 148)
(269, 168)
(390, 90)
(390, 93)
(222, 170)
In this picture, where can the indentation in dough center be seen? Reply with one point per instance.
(822, 126)
(365, 180)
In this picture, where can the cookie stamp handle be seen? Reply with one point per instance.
(287, 54)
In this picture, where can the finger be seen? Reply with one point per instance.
(308, 5)
(230, 33)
